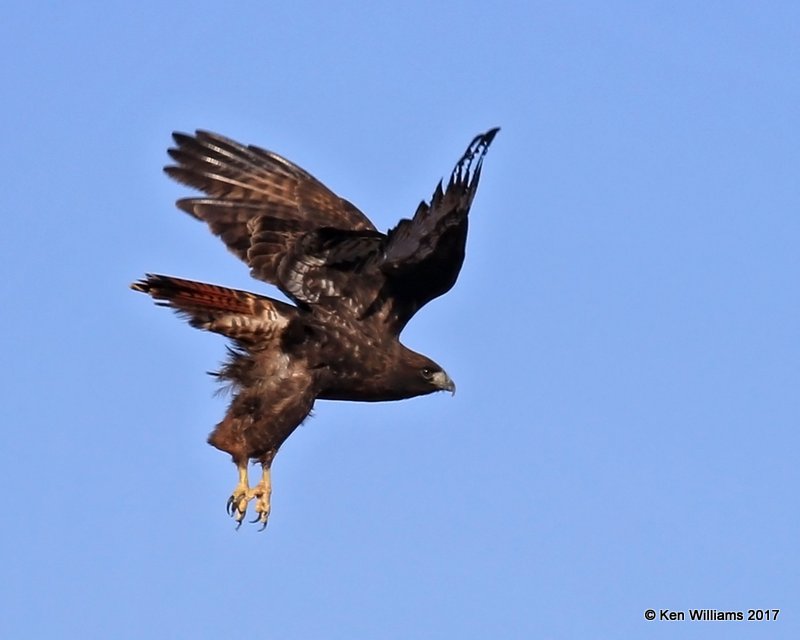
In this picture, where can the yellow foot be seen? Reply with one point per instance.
(242, 494)
(263, 491)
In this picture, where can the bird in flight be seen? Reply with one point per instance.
(354, 289)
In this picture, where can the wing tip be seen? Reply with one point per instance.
(489, 135)
(480, 144)
(145, 284)
(467, 171)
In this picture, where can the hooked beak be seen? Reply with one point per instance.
(444, 383)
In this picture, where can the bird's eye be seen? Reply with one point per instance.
(427, 373)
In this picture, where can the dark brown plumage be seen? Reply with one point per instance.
(354, 289)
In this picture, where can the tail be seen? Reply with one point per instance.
(248, 318)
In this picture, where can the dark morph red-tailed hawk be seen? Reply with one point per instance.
(354, 290)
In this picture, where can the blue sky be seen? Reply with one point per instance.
(624, 334)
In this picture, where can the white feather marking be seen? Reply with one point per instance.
(328, 287)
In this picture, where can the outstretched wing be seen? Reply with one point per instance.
(255, 193)
(423, 256)
(389, 277)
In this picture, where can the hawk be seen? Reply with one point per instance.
(353, 288)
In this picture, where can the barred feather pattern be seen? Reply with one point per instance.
(245, 317)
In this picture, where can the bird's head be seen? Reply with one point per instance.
(420, 375)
